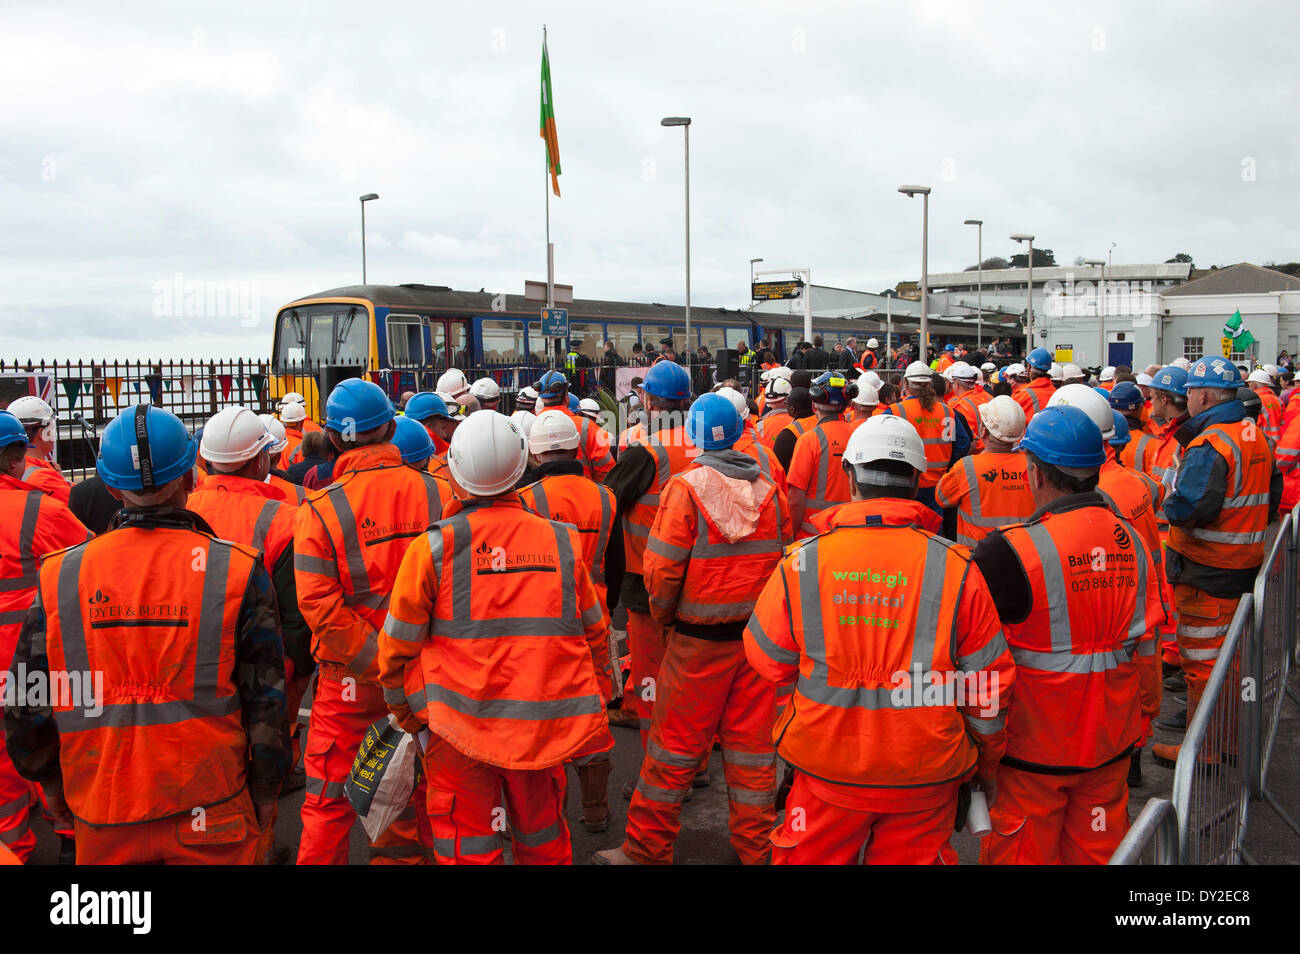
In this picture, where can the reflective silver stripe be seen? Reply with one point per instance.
(1229, 439)
(1203, 632)
(1219, 536)
(318, 565)
(366, 654)
(11, 835)
(1075, 663)
(523, 709)
(983, 658)
(263, 523)
(656, 794)
(432, 496)
(407, 632)
(417, 701)
(593, 615)
(69, 608)
(533, 839)
(318, 786)
(636, 529)
(749, 796)
(1058, 601)
(602, 538)
(755, 759)
(674, 759)
(1147, 647)
(541, 506)
(207, 657)
(462, 568)
(15, 806)
(1245, 500)
(10, 617)
(818, 501)
(985, 726)
(974, 511)
(394, 697)
(722, 611)
(1200, 655)
(469, 845)
(739, 548)
(770, 649)
(121, 715)
(370, 601)
(350, 545)
(1137, 629)
(568, 560)
(27, 536)
(667, 550)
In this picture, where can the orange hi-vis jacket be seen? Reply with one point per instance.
(32, 524)
(1270, 416)
(815, 469)
(1130, 495)
(348, 542)
(989, 490)
(968, 406)
(1140, 452)
(43, 475)
(288, 491)
(1033, 397)
(170, 737)
(1086, 663)
(630, 435)
(717, 537)
(1235, 538)
(1164, 460)
(437, 469)
(246, 511)
(580, 501)
(902, 676)
(938, 430)
(1288, 461)
(673, 453)
(771, 424)
(496, 640)
(749, 445)
(799, 425)
(593, 444)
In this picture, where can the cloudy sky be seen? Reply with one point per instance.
(147, 146)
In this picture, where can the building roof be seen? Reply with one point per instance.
(1240, 279)
(1162, 271)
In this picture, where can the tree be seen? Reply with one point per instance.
(1182, 258)
(1043, 258)
(990, 264)
(889, 293)
(1079, 260)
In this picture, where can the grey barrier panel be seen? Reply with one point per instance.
(1153, 835)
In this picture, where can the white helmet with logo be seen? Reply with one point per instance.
(234, 435)
(552, 430)
(1003, 418)
(276, 430)
(485, 389)
(488, 454)
(30, 409)
(884, 437)
(1089, 402)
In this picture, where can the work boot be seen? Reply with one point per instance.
(1173, 723)
(1175, 681)
(67, 850)
(593, 778)
(701, 779)
(611, 856)
(622, 718)
(1166, 755)
(1135, 769)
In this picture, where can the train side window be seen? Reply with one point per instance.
(503, 341)
(320, 342)
(460, 356)
(405, 341)
(624, 337)
(651, 335)
(589, 336)
(537, 345)
(293, 338)
(736, 335)
(713, 338)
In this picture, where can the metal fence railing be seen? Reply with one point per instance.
(1152, 839)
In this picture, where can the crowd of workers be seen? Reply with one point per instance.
(878, 601)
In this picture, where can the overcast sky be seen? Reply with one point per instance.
(229, 143)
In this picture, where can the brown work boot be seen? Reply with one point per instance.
(1166, 755)
(593, 778)
(611, 856)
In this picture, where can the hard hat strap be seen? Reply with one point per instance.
(142, 447)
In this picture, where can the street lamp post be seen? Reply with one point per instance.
(368, 197)
(1029, 301)
(752, 263)
(685, 123)
(924, 191)
(979, 271)
(1101, 304)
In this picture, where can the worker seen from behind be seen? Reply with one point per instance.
(1075, 591)
(965, 396)
(867, 620)
(175, 750)
(944, 433)
(989, 490)
(816, 480)
(802, 418)
(720, 530)
(433, 412)
(42, 470)
(593, 449)
(1033, 397)
(1261, 382)
(776, 415)
(749, 445)
(495, 654)
(1169, 408)
(488, 394)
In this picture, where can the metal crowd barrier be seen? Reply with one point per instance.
(1152, 839)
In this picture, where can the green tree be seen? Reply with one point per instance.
(1182, 258)
(1043, 258)
(990, 264)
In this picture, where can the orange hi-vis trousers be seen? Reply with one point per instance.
(466, 815)
(816, 832)
(225, 834)
(340, 714)
(706, 689)
(645, 645)
(1057, 819)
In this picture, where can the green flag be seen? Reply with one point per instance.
(1235, 329)
(548, 132)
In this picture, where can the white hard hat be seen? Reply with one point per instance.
(1072, 371)
(453, 405)
(527, 394)
(292, 413)
(781, 371)
(1004, 418)
(1089, 402)
(1258, 376)
(453, 382)
(291, 397)
(1271, 369)
(30, 409)
(962, 371)
(488, 453)
(1145, 380)
(276, 430)
(918, 371)
(777, 389)
(873, 343)
(1107, 373)
(737, 401)
(988, 367)
(589, 407)
(1181, 363)
(1016, 370)
(867, 396)
(1056, 372)
(884, 437)
(870, 377)
(485, 389)
(234, 435)
(552, 430)
(524, 421)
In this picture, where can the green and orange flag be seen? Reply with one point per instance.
(548, 122)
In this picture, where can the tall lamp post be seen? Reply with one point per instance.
(979, 266)
(685, 123)
(1029, 302)
(368, 197)
(1101, 304)
(911, 191)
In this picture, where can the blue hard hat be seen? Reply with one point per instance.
(425, 405)
(1214, 372)
(1121, 435)
(828, 389)
(574, 404)
(412, 440)
(358, 406)
(144, 448)
(712, 423)
(1172, 379)
(668, 380)
(12, 430)
(1125, 396)
(1039, 360)
(949, 347)
(1064, 435)
(551, 384)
